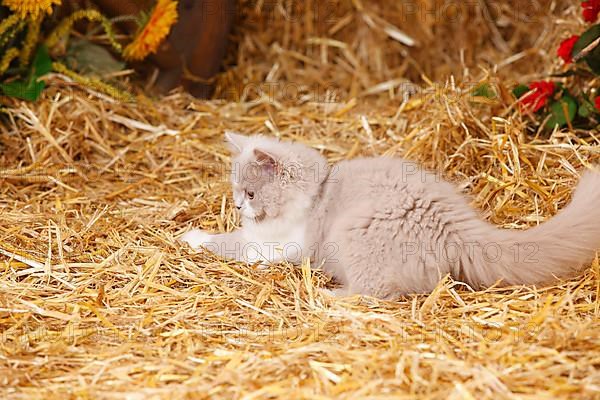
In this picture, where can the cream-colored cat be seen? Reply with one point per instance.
(384, 227)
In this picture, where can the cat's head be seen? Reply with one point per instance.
(272, 178)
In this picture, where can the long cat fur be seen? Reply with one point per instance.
(384, 227)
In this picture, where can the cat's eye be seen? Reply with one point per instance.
(250, 195)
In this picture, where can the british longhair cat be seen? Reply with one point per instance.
(384, 227)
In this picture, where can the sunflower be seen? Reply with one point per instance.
(31, 8)
(154, 32)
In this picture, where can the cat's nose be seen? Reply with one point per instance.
(238, 207)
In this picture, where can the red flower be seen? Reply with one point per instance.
(591, 8)
(538, 95)
(597, 103)
(565, 50)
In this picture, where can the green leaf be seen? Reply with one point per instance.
(143, 18)
(32, 88)
(586, 108)
(520, 90)
(593, 58)
(557, 111)
(485, 90)
(30, 91)
(42, 63)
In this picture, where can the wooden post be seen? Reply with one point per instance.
(192, 54)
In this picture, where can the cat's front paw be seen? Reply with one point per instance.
(196, 238)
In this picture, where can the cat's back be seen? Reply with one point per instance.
(385, 187)
(376, 174)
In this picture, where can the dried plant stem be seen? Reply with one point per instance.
(8, 23)
(91, 15)
(31, 40)
(7, 58)
(92, 83)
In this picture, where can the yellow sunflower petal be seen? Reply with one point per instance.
(154, 32)
(31, 8)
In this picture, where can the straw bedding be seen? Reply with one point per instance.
(98, 300)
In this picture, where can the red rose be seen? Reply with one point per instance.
(591, 8)
(538, 95)
(597, 103)
(565, 50)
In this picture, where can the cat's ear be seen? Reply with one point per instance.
(235, 141)
(267, 161)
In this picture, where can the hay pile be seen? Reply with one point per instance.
(98, 300)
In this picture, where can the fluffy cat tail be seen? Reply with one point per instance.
(557, 248)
